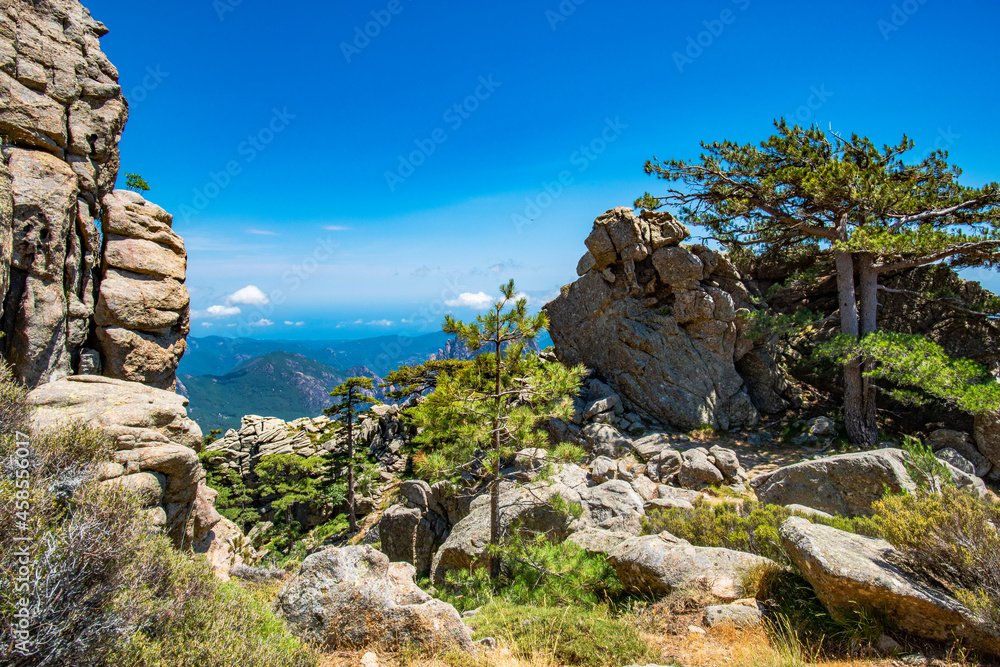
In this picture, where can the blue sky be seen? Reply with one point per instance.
(362, 184)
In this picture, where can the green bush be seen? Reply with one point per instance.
(747, 526)
(197, 621)
(952, 538)
(538, 571)
(567, 635)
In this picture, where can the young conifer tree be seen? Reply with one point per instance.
(480, 416)
(352, 396)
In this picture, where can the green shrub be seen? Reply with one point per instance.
(567, 635)
(101, 588)
(951, 538)
(201, 622)
(747, 526)
(537, 571)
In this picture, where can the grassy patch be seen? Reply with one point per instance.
(566, 635)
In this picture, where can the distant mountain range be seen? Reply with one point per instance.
(227, 378)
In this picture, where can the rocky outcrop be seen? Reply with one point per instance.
(661, 564)
(846, 484)
(851, 573)
(142, 313)
(661, 322)
(156, 455)
(264, 436)
(62, 114)
(354, 597)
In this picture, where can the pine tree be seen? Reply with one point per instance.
(491, 409)
(876, 212)
(351, 394)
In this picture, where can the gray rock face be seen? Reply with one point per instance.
(850, 572)
(845, 484)
(62, 113)
(605, 440)
(661, 564)
(658, 321)
(414, 530)
(354, 597)
(599, 540)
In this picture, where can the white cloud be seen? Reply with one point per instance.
(206, 324)
(215, 311)
(380, 323)
(251, 295)
(223, 311)
(262, 232)
(294, 324)
(468, 300)
(262, 323)
(336, 228)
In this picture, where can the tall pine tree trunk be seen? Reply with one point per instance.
(854, 385)
(352, 517)
(495, 490)
(868, 312)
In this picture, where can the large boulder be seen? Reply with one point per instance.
(661, 564)
(851, 573)
(354, 597)
(128, 410)
(535, 510)
(845, 484)
(659, 322)
(987, 434)
(142, 313)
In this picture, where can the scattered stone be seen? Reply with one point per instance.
(950, 456)
(598, 540)
(959, 442)
(740, 616)
(823, 427)
(697, 471)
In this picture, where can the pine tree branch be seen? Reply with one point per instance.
(943, 302)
